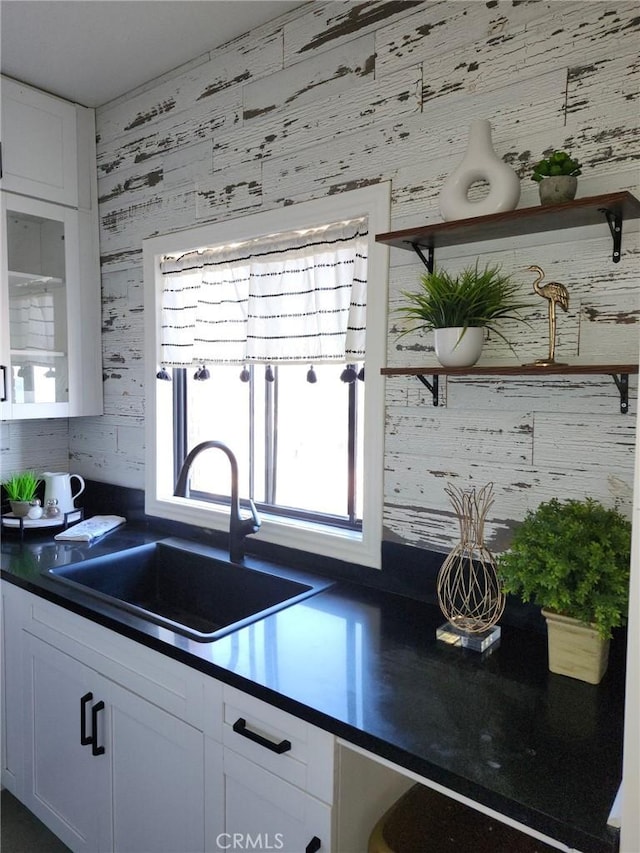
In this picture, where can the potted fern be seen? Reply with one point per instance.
(460, 308)
(557, 178)
(573, 559)
(21, 490)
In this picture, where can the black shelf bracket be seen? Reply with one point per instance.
(614, 221)
(622, 384)
(428, 260)
(432, 386)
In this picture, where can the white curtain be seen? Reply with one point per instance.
(32, 321)
(295, 297)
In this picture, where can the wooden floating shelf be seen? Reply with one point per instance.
(619, 373)
(612, 208)
(516, 223)
(511, 370)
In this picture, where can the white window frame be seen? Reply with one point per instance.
(362, 548)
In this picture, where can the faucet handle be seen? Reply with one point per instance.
(252, 524)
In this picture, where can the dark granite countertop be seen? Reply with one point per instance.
(364, 664)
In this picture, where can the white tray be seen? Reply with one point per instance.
(11, 520)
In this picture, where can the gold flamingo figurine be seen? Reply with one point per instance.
(556, 294)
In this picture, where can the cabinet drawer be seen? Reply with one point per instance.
(281, 743)
(156, 678)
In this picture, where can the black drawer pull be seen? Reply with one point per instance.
(95, 749)
(3, 368)
(240, 727)
(85, 739)
(314, 845)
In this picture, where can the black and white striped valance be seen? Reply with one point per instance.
(295, 297)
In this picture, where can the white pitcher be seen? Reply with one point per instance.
(58, 487)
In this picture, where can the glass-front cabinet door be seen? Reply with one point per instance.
(39, 260)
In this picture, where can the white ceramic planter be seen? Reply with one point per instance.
(575, 649)
(480, 163)
(458, 347)
(557, 189)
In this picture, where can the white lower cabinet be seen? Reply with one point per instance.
(105, 769)
(67, 787)
(263, 812)
(116, 747)
(11, 691)
(278, 779)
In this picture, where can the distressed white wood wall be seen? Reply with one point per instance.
(35, 445)
(338, 95)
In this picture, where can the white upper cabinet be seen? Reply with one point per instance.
(50, 350)
(49, 324)
(39, 145)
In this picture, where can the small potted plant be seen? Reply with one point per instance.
(459, 309)
(21, 490)
(573, 559)
(557, 178)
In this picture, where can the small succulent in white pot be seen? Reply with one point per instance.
(557, 178)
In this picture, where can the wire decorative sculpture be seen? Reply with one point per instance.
(469, 591)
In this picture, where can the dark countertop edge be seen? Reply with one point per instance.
(559, 830)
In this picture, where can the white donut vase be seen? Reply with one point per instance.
(480, 163)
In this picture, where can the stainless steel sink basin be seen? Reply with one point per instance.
(181, 586)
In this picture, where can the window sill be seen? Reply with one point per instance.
(340, 544)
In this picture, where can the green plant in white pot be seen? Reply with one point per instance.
(573, 559)
(21, 490)
(460, 308)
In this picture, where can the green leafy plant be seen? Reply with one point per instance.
(473, 298)
(572, 557)
(22, 487)
(558, 163)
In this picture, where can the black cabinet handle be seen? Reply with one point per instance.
(3, 368)
(95, 749)
(240, 727)
(85, 739)
(313, 845)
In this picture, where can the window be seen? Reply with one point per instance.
(300, 444)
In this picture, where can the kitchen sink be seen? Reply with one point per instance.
(183, 587)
